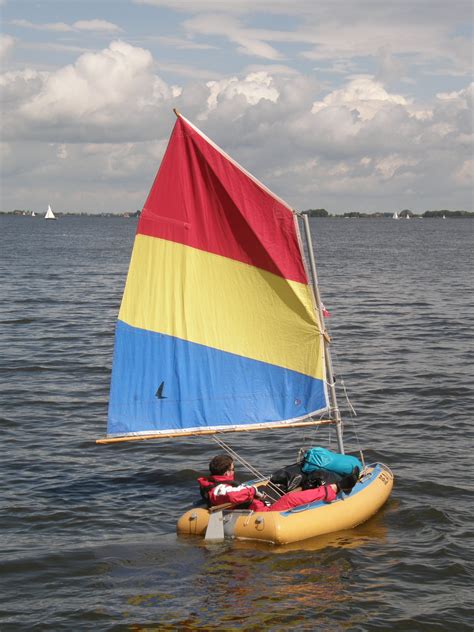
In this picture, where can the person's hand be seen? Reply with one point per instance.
(259, 495)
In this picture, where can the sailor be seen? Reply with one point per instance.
(220, 488)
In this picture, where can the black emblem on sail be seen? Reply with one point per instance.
(159, 392)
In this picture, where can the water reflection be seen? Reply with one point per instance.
(374, 530)
(220, 582)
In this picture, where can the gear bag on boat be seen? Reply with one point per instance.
(321, 459)
(291, 477)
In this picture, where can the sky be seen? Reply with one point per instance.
(354, 105)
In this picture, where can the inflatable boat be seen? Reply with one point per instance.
(297, 524)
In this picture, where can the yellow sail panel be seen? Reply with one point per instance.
(224, 304)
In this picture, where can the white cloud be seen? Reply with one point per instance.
(6, 45)
(388, 166)
(360, 142)
(187, 70)
(356, 142)
(58, 27)
(362, 94)
(181, 43)
(114, 92)
(97, 25)
(253, 87)
(464, 176)
(363, 130)
(464, 97)
(18, 87)
(395, 35)
(231, 6)
(249, 41)
(81, 176)
(62, 27)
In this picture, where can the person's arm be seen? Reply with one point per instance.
(227, 494)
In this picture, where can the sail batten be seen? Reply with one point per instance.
(217, 329)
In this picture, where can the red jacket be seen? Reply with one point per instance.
(220, 490)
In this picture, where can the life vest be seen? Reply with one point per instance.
(206, 484)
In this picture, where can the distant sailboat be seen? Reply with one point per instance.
(395, 215)
(444, 216)
(49, 213)
(33, 214)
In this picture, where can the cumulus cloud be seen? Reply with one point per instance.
(114, 92)
(357, 142)
(104, 122)
(362, 94)
(254, 87)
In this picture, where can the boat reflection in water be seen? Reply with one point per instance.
(295, 583)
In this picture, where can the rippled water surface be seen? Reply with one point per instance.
(88, 532)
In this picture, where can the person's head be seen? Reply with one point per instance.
(221, 464)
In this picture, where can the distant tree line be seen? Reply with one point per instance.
(317, 212)
(322, 212)
(448, 214)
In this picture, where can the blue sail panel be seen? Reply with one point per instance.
(164, 384)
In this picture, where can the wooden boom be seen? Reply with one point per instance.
(319, 422)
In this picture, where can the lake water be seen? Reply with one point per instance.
(88, 532)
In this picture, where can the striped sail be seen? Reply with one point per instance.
(217, 327)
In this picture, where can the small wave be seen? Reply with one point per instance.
(18, 321)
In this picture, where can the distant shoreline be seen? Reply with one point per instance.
(320, 213)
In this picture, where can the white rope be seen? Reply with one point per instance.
(246, 464)
(349, 403)
(312, 440)
(352, 411)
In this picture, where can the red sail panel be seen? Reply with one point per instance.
(211, 204)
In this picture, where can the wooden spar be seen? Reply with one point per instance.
(196, 433)
(319, 306)
(176, 112)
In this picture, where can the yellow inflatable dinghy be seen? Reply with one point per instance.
(300, 523)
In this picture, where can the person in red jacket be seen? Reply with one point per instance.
(220, 488)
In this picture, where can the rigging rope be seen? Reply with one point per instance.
(352, 411)
(245, 463)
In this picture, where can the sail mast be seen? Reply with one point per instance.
(329, 368)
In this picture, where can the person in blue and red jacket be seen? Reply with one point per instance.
(220, 488)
